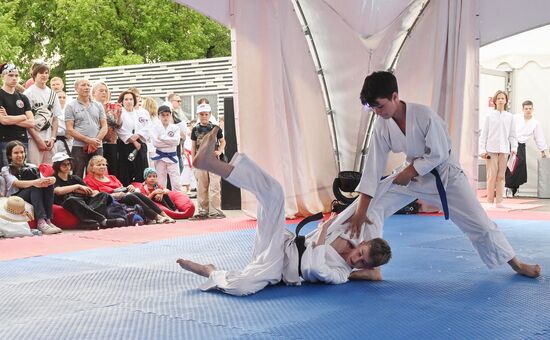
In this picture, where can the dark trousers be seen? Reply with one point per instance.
(519, 177)
(168, 203)
(90, 207)
(41, 200)
(149, 207)
(110, 153)
(128, 171)
(81, 158)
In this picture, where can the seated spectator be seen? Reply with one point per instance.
(154, 191)
(90, 206)
(98, 179)
(24, 180)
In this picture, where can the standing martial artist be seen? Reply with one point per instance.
(526, 127)
(166, 138)
(422, 135)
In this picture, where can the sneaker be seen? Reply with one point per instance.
(217, 215)
(47, 229)
(199, 217)
(59, 230)
(500, 206)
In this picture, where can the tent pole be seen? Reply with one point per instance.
(320, 73)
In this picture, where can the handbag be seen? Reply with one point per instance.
(9, 229)
(43, 115)
(28, 173)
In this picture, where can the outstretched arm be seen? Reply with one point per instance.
(367, 275)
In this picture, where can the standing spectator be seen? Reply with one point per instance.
(57, 85)
(166, 138)
(63, 142)
(212, 119)
(150, 105)
(113, 115)
(498, 139)
(24, 180)
(15, 111)
(86, 123)
(46, 109)
(208, 184)
(132, 137)
(526, 127)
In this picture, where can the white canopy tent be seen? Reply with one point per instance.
(526, 59)
(297, 102)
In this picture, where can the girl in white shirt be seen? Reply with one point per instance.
(526, 127)
(498, 139)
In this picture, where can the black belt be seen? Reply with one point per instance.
(300, 240)
(64, 140)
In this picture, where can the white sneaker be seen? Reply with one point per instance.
(47, 229)
(59, 230)
(500, 206)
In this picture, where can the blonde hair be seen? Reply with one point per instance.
(95, 159)
(96, 86)
(151, 106)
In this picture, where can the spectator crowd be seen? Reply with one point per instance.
(108, 162)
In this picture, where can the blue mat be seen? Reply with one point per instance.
(435, 287)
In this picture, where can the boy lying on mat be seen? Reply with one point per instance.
(328, 255)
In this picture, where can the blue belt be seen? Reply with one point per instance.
(442, 193)
(170, 155)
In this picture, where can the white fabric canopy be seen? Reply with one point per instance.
(280, 104)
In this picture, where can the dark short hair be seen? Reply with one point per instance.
(380, 84)
(380, 251)
(10, 146)
(56, 166)
(39, 67)
(526, 103)
(121, 96)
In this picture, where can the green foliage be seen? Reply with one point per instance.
(75, 34)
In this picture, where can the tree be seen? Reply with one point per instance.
(76, 34)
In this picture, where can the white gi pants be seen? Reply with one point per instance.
(266, 266)
(165, 169)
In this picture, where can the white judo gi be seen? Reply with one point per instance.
(275, 255)
(427, 145)
(165, 141)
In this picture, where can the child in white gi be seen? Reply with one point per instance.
(328, 257)
(166, 137)
(433, 175)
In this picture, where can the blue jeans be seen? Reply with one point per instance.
(41, 200)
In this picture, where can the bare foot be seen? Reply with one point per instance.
(205, 155)
(529, 270)
(197, 268)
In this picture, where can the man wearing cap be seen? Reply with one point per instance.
(166, 138)
(209, 184)
(15, 111)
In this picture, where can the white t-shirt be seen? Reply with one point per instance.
(39, 97)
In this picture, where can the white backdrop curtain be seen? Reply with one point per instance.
(281, 114)
(282, 119)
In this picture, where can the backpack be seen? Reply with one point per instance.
(131, 214)
(43, 115)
